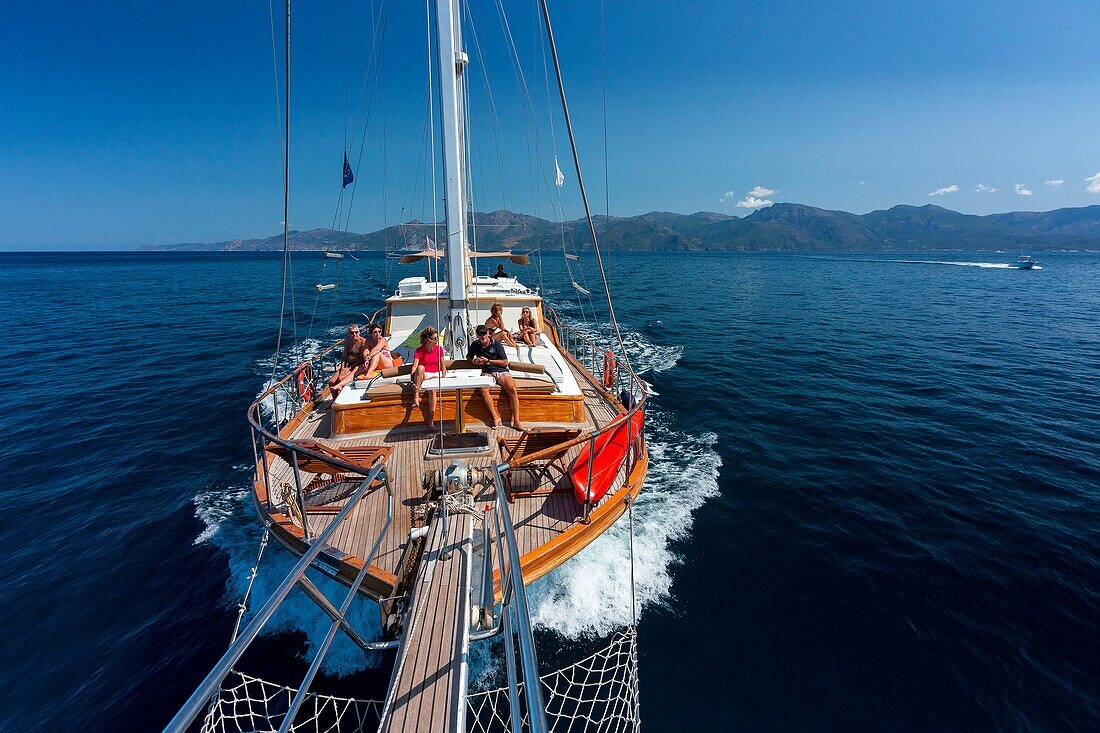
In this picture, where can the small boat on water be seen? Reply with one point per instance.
(1024, 262)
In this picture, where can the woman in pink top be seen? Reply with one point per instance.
(427, 361)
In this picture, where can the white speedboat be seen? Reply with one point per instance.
(1024, 262)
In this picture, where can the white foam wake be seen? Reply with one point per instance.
(233, 527)
(231, 524)
(590, 594)
(989, 265)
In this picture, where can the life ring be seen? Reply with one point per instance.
(609, 368)
(305, 380)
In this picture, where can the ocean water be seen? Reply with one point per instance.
(874, 500)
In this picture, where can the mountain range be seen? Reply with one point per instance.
(779, 227)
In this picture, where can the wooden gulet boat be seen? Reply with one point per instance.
(443, 528)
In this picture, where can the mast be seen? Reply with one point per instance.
(452, 67)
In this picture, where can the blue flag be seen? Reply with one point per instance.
(348, 175)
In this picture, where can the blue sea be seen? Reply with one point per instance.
(874, 500)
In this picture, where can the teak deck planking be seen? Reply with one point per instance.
(424, 689)
(540, 521)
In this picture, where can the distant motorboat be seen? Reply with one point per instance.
(1024, 262)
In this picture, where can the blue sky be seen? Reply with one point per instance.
(132, 123)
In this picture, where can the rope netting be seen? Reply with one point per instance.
(250, 705)
(598, 693)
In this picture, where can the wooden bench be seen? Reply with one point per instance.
(553, 443)
(363, 456)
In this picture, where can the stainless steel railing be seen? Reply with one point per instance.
(201, 698)
(515, 620)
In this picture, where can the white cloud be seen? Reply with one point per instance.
(727, 196)
(1023, 190)
(751, 202)
(981, 187)
(863, 183)
(1094, 183)
(946, 189)
(1053, 182)
(762, 192)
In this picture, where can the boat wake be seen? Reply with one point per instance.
(231, 525)
(988, 265)
(588, 596)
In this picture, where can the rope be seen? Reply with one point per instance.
(633, 594)
(603, 85)
(580, 179)
(597, 694)
(242, 607)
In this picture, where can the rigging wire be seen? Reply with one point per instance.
(603, 85)
(580, 181)
(533, 131)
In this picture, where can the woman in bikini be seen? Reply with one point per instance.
(495, 324)
(378, 351)
(428, 363)
(528, 327)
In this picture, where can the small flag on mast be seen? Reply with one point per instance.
(348, 175)
(431, 245)
(559, 178)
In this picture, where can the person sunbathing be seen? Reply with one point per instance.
(528, 327)
(378, 354)
(497, 329)
(375, 355)
(353, 359)
(428, 363)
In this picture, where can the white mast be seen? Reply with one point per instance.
(452, 67)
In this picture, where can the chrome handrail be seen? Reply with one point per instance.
(536, 706)
(211, 685)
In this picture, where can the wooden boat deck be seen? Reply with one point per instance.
(430, 675)
(538, 520)
(425, 692)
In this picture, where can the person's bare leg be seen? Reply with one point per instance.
(488, 397)
(505, 338)
(508, 386)
(334, 380)
(417, 380)
(529, 338)
(346, 376)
